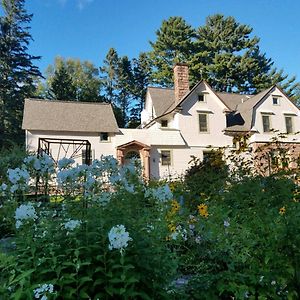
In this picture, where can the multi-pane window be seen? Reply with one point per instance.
(203, 122)
(266, 123)
(164, 123)
(289, 124)
(165, 157)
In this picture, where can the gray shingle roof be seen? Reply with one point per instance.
(241, 105)
(68, 116)
(245, 110)
(232, 100)
(162, 99)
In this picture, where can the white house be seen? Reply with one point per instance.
(176, 124)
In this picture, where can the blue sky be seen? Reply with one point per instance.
(86, 29)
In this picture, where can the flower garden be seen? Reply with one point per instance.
(105, 233)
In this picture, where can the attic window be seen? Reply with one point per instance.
(201, 98)
(275, 101)
(104, 137)
(164, 123)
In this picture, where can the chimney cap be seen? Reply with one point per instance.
(180, 64)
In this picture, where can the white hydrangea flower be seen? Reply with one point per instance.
(3, 187)
(42, 291)
(18, 177)
(103, 198)
(24, 212)
(162, 193)
(118, 238)
(72, 224)
(226, 224)
(65, 163)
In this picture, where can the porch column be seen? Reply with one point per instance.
(146, 158)
(120, 156)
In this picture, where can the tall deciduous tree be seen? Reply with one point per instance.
(174, 43)
(17, 70)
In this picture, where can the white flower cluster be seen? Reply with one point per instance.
(19, 179)
(179, 232)
(3, 188)
(162, 193)
(65, 163)
(72, 224)
(24, 212)
(43, 164)
(43, 290)
(118, 238)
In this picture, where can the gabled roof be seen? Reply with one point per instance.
(50, 115)
(245, 111)
(162, 99)
(232, 100)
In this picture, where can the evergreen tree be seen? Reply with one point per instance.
(71, 79)
(174, 43)
(221, 52)
(229, 59)
(62, 87)
(17, 71)
(124, 86)
(141, 78)
(109, 74)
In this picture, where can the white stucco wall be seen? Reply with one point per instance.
(188, 120)
(98, 147)
(277, 118)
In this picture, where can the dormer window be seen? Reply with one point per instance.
(201, 98)
(164, 123)
(275, 101)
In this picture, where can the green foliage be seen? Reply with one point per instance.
(207, 176)
(17, 71)
(231, 237)
(71, 79)
(62, 86)
(174, 43)
(222, 52)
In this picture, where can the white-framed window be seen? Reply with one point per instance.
(104, 137)
(289, 124)
(266, 123)
(166, 159)
(276, 101)
(164, 123)
(203, 122)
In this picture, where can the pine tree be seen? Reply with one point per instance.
(17, 71)
(227, 57)
(174, 43)
(141, 78)
(71, 79)
(109, 74)
(124, 86)
(62, 87)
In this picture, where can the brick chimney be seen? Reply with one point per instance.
(181, 80)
